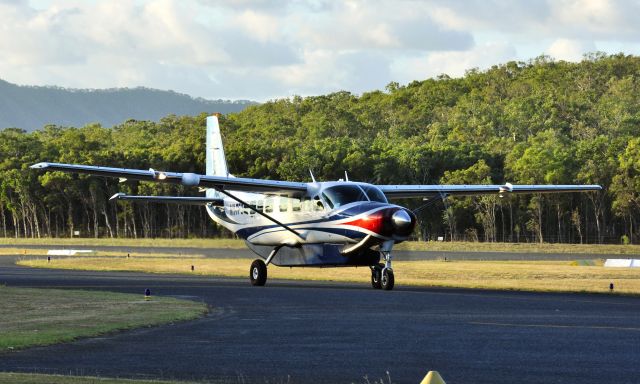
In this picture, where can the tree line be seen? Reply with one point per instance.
(535, 122)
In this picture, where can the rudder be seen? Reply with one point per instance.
(216, 163)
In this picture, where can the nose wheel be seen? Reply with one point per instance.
(387, 280)
(258, 273)
(382, 274)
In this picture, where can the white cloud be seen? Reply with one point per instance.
(263, 49)
(570, 50)
(452, 63)
(262, 26)
(600, 19)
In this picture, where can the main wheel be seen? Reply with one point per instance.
(258, 273)
(376, 276)
(387, 280)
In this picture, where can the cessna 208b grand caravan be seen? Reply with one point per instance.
(295, 224)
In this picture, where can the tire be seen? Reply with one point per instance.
(258, 273)
(387, 280)
(376, 276)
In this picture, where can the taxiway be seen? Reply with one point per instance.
(301, 332)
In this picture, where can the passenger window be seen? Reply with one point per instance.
(284, 204)
(307, 205)
(296, 205)
(268, 205)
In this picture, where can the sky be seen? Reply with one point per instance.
(262, 50)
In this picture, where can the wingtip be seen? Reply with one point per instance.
(39, 165)
(116, 196)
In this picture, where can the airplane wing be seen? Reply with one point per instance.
(169, 199)
(409, 191)
(188, 179)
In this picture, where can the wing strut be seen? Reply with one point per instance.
(254, 209)
(431, 202)
(272, 254)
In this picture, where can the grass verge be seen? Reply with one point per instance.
(31, 317)
(461, 246)
(551, 276)
(29, 378)
(444, 246)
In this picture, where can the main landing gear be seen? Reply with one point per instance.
(258, 270)
(258, 273)
(382, 274)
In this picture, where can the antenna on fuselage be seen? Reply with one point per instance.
(346, 177)
(312, 178)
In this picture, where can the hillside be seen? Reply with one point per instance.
(32, 108)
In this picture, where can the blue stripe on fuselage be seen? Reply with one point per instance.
(354, 210)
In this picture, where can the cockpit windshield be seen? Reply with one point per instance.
(374, 193)
(339, 195)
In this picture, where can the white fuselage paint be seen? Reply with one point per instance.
(311, 220)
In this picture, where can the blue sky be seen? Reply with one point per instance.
(259, 49)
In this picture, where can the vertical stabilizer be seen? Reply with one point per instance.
(216, 163)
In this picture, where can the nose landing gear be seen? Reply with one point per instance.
(382, 274)
(387, 280)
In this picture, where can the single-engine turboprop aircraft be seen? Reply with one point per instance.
(295, 224)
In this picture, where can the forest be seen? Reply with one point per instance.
(536, 122)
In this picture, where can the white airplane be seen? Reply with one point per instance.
(295, 224)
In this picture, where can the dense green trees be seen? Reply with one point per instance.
(537, 122)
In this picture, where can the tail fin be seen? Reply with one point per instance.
(216, 163)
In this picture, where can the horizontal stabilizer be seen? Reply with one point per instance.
(169, 199)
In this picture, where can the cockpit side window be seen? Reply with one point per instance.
(374, 193)
(339, 195)
(328, 200)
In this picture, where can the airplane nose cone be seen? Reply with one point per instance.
(401, 220)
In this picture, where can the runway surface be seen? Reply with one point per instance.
(297, 332)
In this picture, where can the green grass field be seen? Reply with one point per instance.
(457, 246)
(550, 276)
(28, 378)
(535, 276)
(30, 317)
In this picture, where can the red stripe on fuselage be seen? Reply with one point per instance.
(373, 222)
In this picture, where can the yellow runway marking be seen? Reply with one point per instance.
(555, 326)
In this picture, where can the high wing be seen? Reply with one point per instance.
(409, 191)
(188, 179)
(170, 199)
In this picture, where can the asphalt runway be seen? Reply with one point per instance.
(298, 332)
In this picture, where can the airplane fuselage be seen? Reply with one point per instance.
(348, 217)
